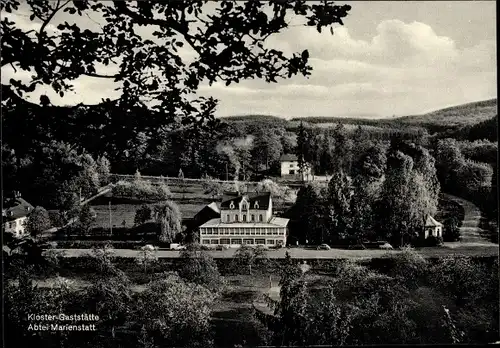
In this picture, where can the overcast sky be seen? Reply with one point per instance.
(390, 58)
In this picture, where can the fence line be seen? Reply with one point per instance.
(176, 179)
(169, 179)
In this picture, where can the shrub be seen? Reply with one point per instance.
(141, 189)
(432, 241)
(55, 218)
(197, 247)
(86, 244)
(409, 266)
(142, 214)
(451, 231)
(162, 192)
(200, 268)
(277, 191)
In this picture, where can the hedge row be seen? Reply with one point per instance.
(230, 266)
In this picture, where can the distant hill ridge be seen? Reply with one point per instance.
(459, 115)
(453, 116)
(449, 117)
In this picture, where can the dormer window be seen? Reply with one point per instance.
(256, 205)
(231, 206)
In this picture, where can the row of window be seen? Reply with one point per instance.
(242, 241)
(247, 233)
(243, 230)
(244, 217)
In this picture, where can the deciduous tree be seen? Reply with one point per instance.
(58, 57)
(338, 205)
(86, 219)
(168, 215)
(309, 211)
(38, 222)
(247, 257)
(176, 312)
(397, 213)
(278, 192)
(147, 256)
(200, 268)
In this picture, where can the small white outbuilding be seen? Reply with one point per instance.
(432, 227)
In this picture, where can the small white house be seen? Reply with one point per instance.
(290, 167)
(432, 228)
(15, 214)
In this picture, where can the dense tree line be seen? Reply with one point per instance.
(327, 149)
(413, 301)
(459, 174)
(484, 130)
(174, 309)
(54, 175)
(158, 124)
(405, 299)
(386, 193)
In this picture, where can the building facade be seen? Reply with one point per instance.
(15, 214)
(245, 219)
(432, 228)
(290, 167)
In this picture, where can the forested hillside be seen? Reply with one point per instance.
(460, 115)
(44, 146)
(457, 121)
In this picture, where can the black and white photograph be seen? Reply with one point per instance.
(281, 173)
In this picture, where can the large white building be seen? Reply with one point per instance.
(15, 214)
(245, 219)
(290, 167)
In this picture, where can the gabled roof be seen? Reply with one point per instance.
(214, 207)
(431, 222)
(210, 209)
(16, 208)
(261, 198)
(289, 157)
(228, 195)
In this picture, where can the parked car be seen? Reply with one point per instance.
(323, 247)
(386, 246)
(221, 247)
(357, 247)
(276, 246)
(176, 246)
(374, 245)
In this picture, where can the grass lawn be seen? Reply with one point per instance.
(190, 199)
(126, 212)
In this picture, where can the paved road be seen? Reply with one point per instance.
(448, 249)
(470, 232)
